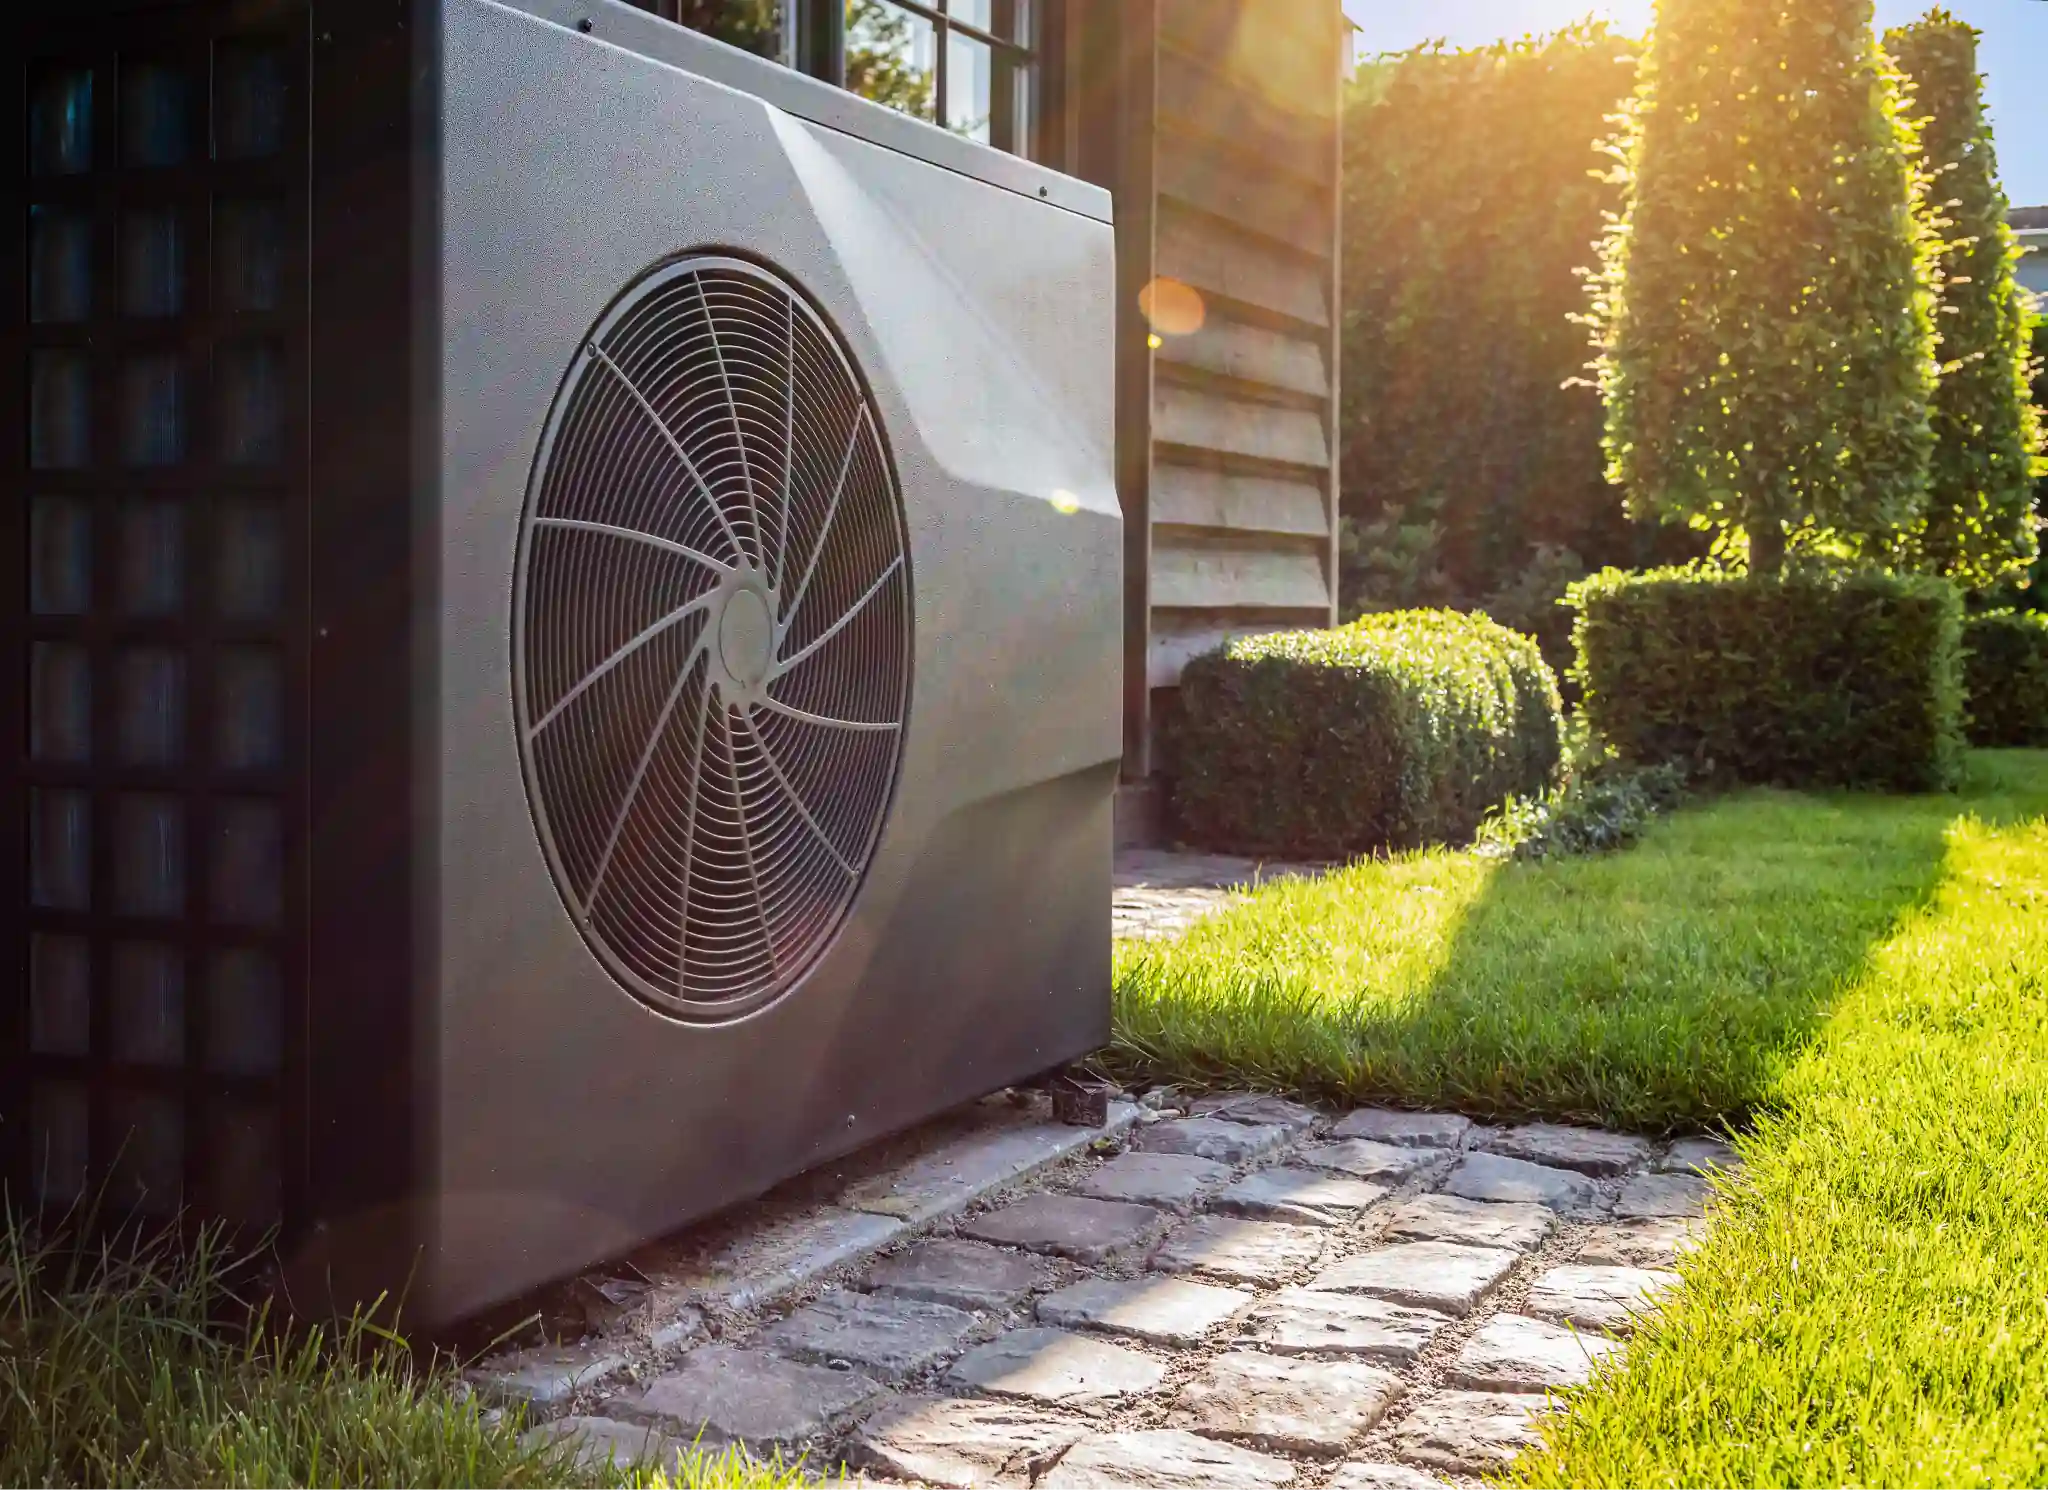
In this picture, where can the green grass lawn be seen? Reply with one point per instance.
(117, 1373)
(1662, 988)
(1864, 980)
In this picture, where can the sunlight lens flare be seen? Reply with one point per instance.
(1172, 308)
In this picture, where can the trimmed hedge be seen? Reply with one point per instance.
(1398, 729)
(1800, 680)
(2005, 675)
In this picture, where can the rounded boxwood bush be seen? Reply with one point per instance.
(2005, 677)
(1399, 729)
(1800, 680)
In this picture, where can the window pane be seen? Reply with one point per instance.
(59, 264)
(249, 561)
(59, 995)
(149, 708)
(60, 122)
(148, 1133)
(156, 115)
(60, 850)
(149, 856)
(244, 1014)
(891, 57)
(251, 403)
(967, 87)
(1009, 19)
(60, 556)
(150, 557)
(751, 25)
(149, 1004)
(248, 863)
(153, 411)
(249, 253)
(59, 410)
(249, 100)
(60, 703)
(59, 1129)
(1021, 81)
(152, 263)
(249, 703)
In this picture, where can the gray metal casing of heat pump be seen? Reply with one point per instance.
(565, 1120)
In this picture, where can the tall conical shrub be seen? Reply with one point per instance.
(1763, 303)
(1979, 524)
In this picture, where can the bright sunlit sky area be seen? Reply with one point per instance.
(2013, 54)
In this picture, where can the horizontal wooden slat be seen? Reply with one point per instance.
(1195, 497)
(1170, 649)
(1225, 426)
(1217, 259)
(1289, 47)
(1194, 95)
(1251, 354)
(1226, 185)
(1235, 577)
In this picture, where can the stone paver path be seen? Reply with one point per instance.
(1228, 1293)
(1161, 893)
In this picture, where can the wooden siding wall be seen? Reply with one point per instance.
(1226, 179)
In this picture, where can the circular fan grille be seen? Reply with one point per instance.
(712, 646)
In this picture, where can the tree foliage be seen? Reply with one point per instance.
(751, 25)
(1472, 200)
(881, 60)
(1979, 524)
(1764, 302)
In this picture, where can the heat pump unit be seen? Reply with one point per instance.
(564, 588)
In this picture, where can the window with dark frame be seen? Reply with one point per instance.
(159, 626)
(970, 66)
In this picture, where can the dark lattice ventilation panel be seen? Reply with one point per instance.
(712, 654)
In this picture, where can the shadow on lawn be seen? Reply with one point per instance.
(1662, 988)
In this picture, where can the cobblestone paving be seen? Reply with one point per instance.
(1248, 1293)
(1160, 892)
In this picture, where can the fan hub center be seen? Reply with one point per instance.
(746, 636)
